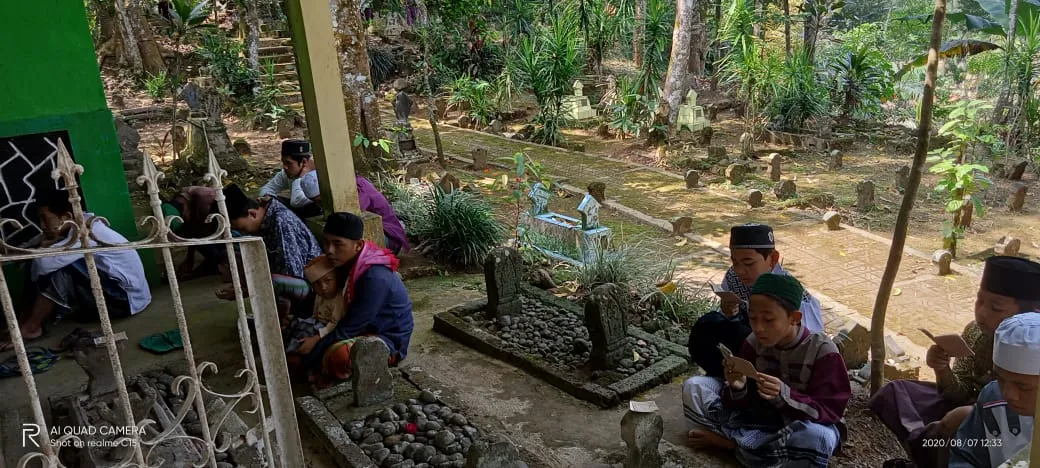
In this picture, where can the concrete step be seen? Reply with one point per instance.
(292, 97)
(280, 67)
(278, 50)
(278, 58)
(275, 41)
(288, 76)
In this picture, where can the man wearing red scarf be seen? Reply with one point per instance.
(377, 302)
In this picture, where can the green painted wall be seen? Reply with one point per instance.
(50, 81)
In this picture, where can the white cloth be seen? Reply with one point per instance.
(1016, 347)
(122, 265)
(301, 190)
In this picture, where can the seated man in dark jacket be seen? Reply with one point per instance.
(376, 300)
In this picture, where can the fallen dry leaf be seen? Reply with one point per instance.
(682, 242)
(897, 292)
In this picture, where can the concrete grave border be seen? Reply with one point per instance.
(676, 361)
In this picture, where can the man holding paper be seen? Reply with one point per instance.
(925, 414)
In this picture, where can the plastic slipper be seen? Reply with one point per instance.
(40, 360)
(162, 343)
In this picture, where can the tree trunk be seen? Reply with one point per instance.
(639, 35)
(810, 30)
(431, 106)
(698, 43)
(757, 28)
(718, 46)
(252, 42)
(359, 98)
(131, 51)
(151, 56)
(787, 27)
(1000, 111)
(895, 253)
(685, 12)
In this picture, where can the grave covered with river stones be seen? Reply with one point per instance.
(590, 353)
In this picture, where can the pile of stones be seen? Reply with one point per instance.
(557, 337)
(420, 433)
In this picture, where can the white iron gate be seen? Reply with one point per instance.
(285, 450)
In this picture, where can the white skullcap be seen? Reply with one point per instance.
(1016, 347)
(309, 184)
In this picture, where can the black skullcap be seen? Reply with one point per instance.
(751, 236)
(296, 148)
(1012, 277)
(238, 203)
(346, 225)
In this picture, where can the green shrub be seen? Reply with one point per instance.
(412, 208)
(461, 229)
(382, 65)
(476, 97)
(156, 86)
(800, 95)
(226, 64)
(623, 264)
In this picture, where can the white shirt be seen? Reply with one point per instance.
(298, 197)
(122, 265)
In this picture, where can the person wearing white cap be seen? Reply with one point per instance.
(1001, 421)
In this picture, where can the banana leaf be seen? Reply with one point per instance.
(996, 22)
(950, 49)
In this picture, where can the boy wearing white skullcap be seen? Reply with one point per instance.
(1001, 422)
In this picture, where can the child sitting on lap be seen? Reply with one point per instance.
(328, 305)
(790, 414)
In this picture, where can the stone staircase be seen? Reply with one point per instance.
(278, 52)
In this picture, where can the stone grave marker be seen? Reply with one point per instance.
(1018, 197)
(483, 454)
(967, 212)
(785, 190)
(853, 342)
(589, 209)
(413, 171)
(402, 108)
(91, 355)
(370, 378)
(693, 179)
(754, 198)
(774, 167)
(502, 273)
(865, 195)
(642, 434)
(599, 191)
(747, 146)
(191, 93)
(943, 259)
(716, 153)
(496, 127)
(735, 173)
(464, 121)
(1017, 171)
(902, 177)
(1007, 245)
(836, 160)
(449, 183)
(480, 159)
(682, 225)
(539, 196)
(605, 320)
(833, 220)
(704, 139)
(242, 147)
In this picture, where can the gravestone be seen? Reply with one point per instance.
(716, 153)
(833, 220)
(865, 195)
(480, 159)
(693, 179)
(735, 173)
(599, 191)
(93, 358)
(754, 198)
(496, 127)
(1018, 197)
(602, 131)
(413, 171)
(943, 259)
(129, 140)
(191, 94)
(853, 342)
(902, 177)
(285, 128)
(1017, 171)
(836, 160)
(483, 454)
(539, 196)
(747, 146)
(464, 121)
(449, 183)
(502, 271)
(642, 434)
(785, 190)
(682, 225)
(605, 319)
(774, 167)
(1007, 245)
(704, 139)
(179, 137)
(589, 209)
(370, 375)
(242, 147)
(402, 108)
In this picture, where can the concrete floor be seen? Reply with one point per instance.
(557, 429)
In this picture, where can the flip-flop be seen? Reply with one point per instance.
(162, 343)
(40, 360)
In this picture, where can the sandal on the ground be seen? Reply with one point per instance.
(40, 360)
(9, 345)
(162, 343)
